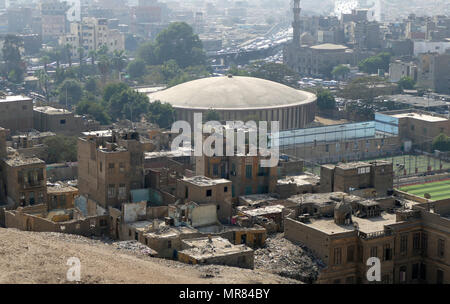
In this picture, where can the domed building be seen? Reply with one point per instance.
(239, 98)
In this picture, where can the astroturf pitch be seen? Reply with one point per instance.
(438, 190)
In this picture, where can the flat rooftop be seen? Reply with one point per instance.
(22, 161)
(14, 98)
(205, 181)
(177, 153)
(419, 116)
(264, 210)
(366, 225)
(415, 101)
(213, 247)
(51, 110)
(99, 133)
(324, 198)
(301, 180)
(61, 189)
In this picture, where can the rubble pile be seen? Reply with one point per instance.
(134, 247)
(280, 256)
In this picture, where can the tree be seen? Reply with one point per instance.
(441, 143)
(91, 85)
(128, 104)
(163, 114)
(340, 72)
(94, 109)
(372, 64)
(67, 51)
(45, 60)
(406, 83)
(275, 72)
(103, 66)
(146, 52)
(43, 79)
(211, 115)
(70, 92)
(61, 149)
(136, 68)
(112, 89)
(325, 100)
(178, 42)
(14, 68)
(118, 61)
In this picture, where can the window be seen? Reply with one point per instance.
(111, 191)
(439, 277)
(403, 244)
(248, 190)
(248, 171)
(111, 167)
(215, 169)
(416, 241)
(374, 252)
(225, 189)
(101, 166)
(337, 256)
(209, 192)
(415, 271)
(424, 244)
(169, 244)
(387, 252)
(122, 167)
(351, 253)
(423, 271)
(122, 191)
(402, 274)
(441, 248)
(62, 122)
(136, 235)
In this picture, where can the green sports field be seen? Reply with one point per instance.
(437, 190)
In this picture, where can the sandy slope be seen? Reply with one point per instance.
(31, 257)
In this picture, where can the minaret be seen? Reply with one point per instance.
(296, 25)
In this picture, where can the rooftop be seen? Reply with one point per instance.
(13, 98)
(212, 247)
(181, 151)
(303, 179)
(329, 46)
(420, 116)
(366, 225)
(21, 161)
(264, 210)
(205, 181)
(61, 188)
(415, 101)
(52, 111)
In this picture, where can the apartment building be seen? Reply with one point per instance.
(91, 34)
(110, 165)
(409, 241)
(22, 107)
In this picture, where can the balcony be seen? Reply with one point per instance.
(374, 235)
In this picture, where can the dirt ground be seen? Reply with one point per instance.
(32, 257)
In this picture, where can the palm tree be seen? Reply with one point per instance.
(103, 66)
(45, 60)
(43, 82)
(118, 61)
(92, 54)
(68, 53)
(80, 57)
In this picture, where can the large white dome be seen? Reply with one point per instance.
(228, 93)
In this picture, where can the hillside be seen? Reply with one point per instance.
(31, 257)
